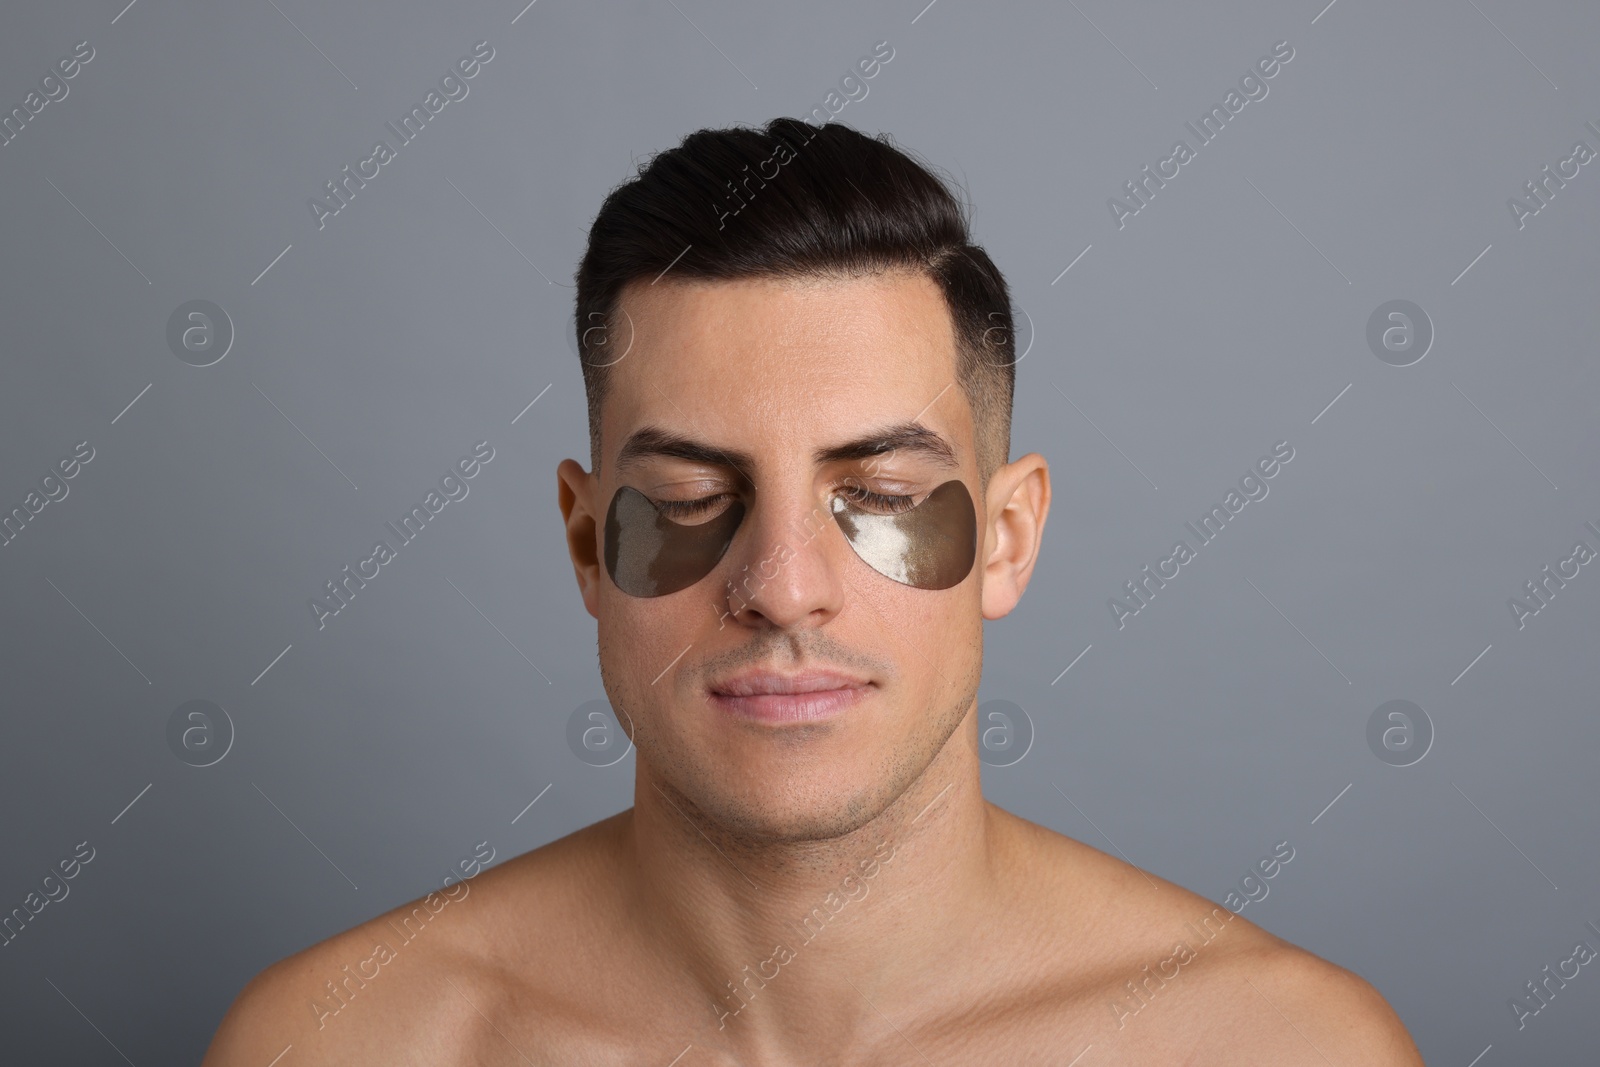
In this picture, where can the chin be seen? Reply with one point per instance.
(794, 795)
(819, 819)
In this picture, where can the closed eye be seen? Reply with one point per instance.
(884, 502)
(858, 495)
(687, 509)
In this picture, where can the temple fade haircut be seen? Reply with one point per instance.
(795, 200)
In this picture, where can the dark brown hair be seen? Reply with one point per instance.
(798, 200)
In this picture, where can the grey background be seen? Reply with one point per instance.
(424, 317)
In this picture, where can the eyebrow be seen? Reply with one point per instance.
(913, 437)
(649, 442)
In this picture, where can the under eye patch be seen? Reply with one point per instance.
(647, 554)
(930, 546)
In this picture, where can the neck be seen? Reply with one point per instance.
(788, 944)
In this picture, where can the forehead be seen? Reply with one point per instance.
(780, 367)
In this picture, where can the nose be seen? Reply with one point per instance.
(786, 568)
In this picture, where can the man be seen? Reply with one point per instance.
(801, 510)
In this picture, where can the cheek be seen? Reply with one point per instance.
(643, 640)
(636, 629)
(934, 639)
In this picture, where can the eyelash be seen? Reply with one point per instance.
(683, 509)
(891, 503)
(879, 501)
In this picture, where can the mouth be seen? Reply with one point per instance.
(776, 698)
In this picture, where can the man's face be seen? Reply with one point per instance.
(765, 377)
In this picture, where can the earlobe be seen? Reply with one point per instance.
(575, 491)
(1019, 501)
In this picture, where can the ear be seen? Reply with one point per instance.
(1017, 502)
(576, 488)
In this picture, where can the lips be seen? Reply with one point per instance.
(774, 697)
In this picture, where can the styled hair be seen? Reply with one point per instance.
(797, 200)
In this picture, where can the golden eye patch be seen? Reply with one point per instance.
(929, 546)
(647, 554)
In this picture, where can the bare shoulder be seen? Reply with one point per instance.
(412, 985)
(328, 1000)
(1159, 974)
(1293, 1007)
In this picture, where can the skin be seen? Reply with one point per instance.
(943, 929)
